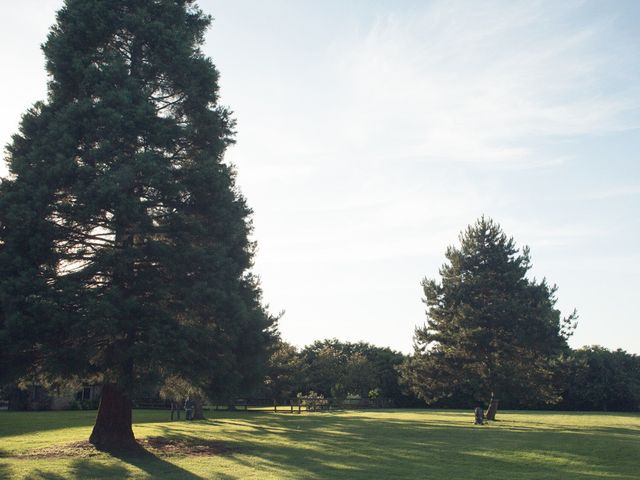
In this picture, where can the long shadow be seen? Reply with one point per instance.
(339, 446)
(322, 421)
(79, 469)
(151, 464)
(4, 471)
(84, 469)
(22, 423)
(327, 446)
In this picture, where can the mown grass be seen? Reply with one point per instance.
(425, 444)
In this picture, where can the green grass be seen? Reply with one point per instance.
(392, 444)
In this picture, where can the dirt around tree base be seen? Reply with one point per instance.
(159, 446)
(173, 446)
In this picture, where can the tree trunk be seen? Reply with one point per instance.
(493, 408)
(198, 410)
(112, 430)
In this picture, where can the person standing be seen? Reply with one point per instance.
(188, 408)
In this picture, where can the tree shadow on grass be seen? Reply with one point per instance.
(340, 447)
(105, 468)
(151, 464)
(4, 471)
(4, 468)
(84, 469)
(23, 423)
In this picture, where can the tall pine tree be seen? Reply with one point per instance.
(124, 249)
(492, 333)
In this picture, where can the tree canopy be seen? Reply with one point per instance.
(491, 332)
(125, 255)
(335, 369)
(602, 379)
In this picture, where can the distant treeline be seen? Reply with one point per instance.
(336, 369)
(592, 378)
(600, 379)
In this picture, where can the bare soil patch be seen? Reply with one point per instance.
(192, 446)
(74, 449)
(160, 446)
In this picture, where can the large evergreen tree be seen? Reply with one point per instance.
(124, 250)
(492, 333)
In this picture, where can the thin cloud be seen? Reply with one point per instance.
(614, 192)
(470, 82)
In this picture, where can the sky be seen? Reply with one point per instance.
(370, 133)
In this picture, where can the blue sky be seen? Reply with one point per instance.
(371, 132)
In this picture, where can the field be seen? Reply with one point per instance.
(389, 444)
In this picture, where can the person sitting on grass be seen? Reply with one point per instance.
(479, 413)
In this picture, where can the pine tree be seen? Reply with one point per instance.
(492, 333)
(124, 242)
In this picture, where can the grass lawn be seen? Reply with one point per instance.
(389, 444)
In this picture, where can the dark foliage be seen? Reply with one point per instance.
(124, 243)
(602, 379)
(491, 332)
(336, 369)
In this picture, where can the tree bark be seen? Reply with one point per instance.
(493, 408)
(112, 430)
(198, 410)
